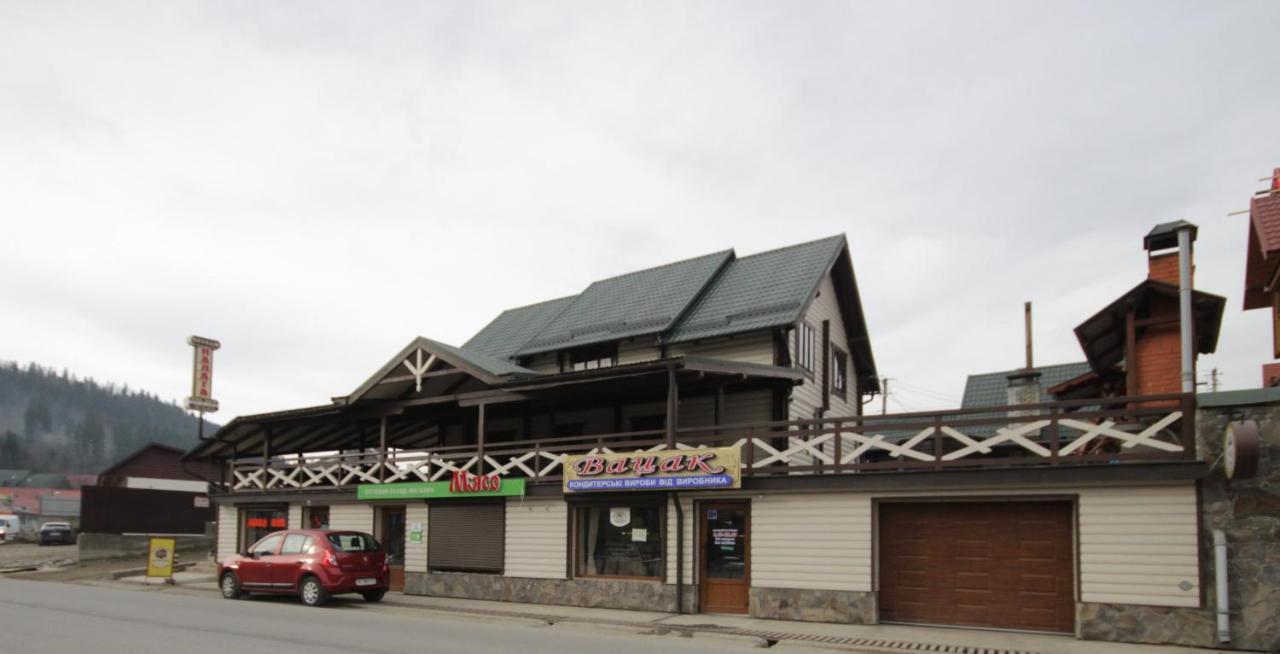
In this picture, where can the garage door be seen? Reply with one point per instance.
(985, 564)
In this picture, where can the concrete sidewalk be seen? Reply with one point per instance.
(784, 634)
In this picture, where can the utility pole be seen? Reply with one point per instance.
(884, 395)
(1213, 380)
(1026, 310)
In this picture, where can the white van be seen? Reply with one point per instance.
(9, 527)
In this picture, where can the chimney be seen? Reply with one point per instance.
(1163, 360)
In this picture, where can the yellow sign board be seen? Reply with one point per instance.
(712, 467)
(160, 553)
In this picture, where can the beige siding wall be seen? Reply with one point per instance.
(689, 536)
(637, 352)
(415, 554)
(536, 538)
(545, 363)
(1137, 544)
(811, 541)
(228, 522)
(756, 347)
(352, 517)
(748, 407)
(808, 396)
(295, 516)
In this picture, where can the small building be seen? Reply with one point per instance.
(1262, 267)
(149, 491)
(690, 437)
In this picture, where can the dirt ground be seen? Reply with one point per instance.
(21, 554)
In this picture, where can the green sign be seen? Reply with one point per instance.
(416, 490)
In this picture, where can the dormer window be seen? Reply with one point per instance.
(592, 357)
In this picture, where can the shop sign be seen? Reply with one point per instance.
(415, 532)
(463, 484)
(717, 467)
(202, 375)
(160, 557)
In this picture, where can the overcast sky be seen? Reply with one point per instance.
(315, 184)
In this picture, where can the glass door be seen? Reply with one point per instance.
(725, 571)
(391, 528)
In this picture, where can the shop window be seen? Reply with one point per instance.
(258, 523)
(806, 346)
(466, 536)
(619, 540)
(315, 517)
(839, 372)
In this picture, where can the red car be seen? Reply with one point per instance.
(311, 563)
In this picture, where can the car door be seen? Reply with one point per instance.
(287, 565)
(257, 567)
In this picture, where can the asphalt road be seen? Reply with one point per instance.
(38, 617)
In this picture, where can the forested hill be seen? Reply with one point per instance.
(52, 421)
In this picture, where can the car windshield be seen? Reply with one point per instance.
(354, 542)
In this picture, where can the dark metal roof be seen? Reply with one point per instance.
(759, 291)
(1102, 336)
(1165, 235)
(503, 337)
(992, 388)
(636, 304)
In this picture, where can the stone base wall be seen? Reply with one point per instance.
(593, 593)
(1161, 625)
(849, 607)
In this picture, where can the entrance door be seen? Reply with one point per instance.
(980, 564)
(391, 533)
(725, 575)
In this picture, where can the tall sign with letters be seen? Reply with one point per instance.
(201, 399)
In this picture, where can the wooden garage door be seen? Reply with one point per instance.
(985, 564)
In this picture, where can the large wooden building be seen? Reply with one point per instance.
(690, 437)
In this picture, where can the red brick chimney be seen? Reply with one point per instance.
(1155, 364)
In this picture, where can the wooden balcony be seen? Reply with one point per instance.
(1110, 432)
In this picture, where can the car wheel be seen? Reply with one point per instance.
(312, 593)
(374, 595)
(230, 586)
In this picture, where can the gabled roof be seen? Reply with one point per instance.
(1264, 245)
(487, 369)
(760, 291)
(992, 388)
(149, 447)
(1102, 336)
(635, 304)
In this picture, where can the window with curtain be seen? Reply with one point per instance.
(806, 346)
(839, 372)
(619, 540)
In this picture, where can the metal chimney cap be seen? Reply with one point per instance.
(1165, 235)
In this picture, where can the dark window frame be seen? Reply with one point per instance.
(590, 357)
(575, 527)
(806, 334)
(839, 372)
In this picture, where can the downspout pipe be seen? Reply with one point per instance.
(1184, 308)
(1220, 585)
(680, 554)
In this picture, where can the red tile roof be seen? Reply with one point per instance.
(1264, 250)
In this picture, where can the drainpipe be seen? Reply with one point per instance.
(680, 554)
(1220, 577)
(1184, 301)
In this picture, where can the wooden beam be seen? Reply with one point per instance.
(826, 365)
(480, 438)
(673, 406)
(396, 379)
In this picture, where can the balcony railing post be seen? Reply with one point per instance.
(837, 433)
(937, 442)
(1188, 425)
(1054, 415)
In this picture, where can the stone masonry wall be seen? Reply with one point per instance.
(842, 606)
(596, 593)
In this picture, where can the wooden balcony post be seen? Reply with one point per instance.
(838, 430)
(673, 406)
(1054, 416)
(938, 445)
(382, 448)
(266, 460)
(480, 438)
(1188, 425)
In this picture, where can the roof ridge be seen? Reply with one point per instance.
(1044, 367)
(538, 304)
(793, 246)
(729, 252)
